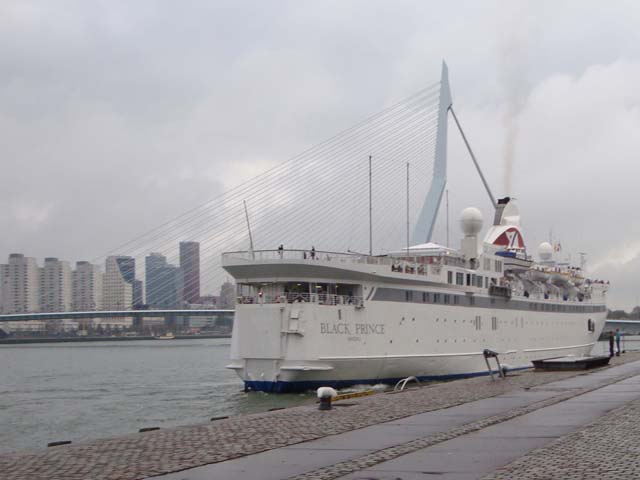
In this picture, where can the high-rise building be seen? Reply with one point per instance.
(55, 286)
(190, 266)
(163, 282)
(4, 285)
(86, 287)
(118, 283)
(21, 290)
(128, 269)
(227, 295)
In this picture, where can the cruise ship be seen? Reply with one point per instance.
(306, 319)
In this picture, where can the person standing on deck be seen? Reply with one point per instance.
(618, 341)
(611, 344)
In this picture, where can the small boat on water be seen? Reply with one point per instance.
(167, 336)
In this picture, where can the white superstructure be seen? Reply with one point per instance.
(337, 319)
(306, 319)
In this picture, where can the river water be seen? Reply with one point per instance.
(72, 391)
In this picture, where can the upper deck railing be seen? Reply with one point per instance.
(311, 255)
(410, 264)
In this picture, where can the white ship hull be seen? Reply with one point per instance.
(299, 346)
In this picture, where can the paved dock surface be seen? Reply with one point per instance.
(488, 428)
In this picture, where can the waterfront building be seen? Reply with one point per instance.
(118, 283)
(190, 266)
(29, 327)
(20, 285)
(110, 324)
(163, 282)
(55, 286)
(227, 297)
(86, 287)
(4, 279)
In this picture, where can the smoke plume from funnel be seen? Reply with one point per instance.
(513, 76)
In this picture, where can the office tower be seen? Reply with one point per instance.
(190, 266)
(118, 283)
(163, 282)
(55, 286)
(21, 290)
(4, 285)
(227, 295)
(86, 287)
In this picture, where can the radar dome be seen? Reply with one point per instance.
(545, 250)
(471, 221)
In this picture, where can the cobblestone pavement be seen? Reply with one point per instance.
(609, 448)
(369, 460)
(152, 453)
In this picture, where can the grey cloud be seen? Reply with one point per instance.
(116, 116)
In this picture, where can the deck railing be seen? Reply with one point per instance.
(393, 264)
(319, 298)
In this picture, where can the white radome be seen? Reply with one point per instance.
(545, 250)
(471, 221)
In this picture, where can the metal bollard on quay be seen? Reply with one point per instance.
(325, 394)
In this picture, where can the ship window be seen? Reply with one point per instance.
(468, 279)
(459, 278)
(487, 264)
(590, 326)
(478, 322)
(436, 298)
(494, 323)
(498, 266)
(456, 299)
(447, 299)
(424, 297)
(486, 282)
(449, 276)
(472, 300)
(409, 295)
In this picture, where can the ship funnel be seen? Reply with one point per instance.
(507, 212)
(471, 224)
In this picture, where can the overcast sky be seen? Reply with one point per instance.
(115, 116)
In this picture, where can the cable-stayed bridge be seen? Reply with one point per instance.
(372, 188)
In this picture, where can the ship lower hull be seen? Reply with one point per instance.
(298, 347)
(298, 386)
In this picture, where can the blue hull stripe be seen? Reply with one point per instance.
(294, 387)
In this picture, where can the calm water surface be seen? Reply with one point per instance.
(78, 392)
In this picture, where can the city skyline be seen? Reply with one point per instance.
(27, 287)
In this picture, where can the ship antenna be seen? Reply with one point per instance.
(407, 208)
(246, 213)
(370, 213)
(447, 200)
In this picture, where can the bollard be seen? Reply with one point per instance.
(325, 394)
(148, 429)
(57, 444)
(214, 419)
